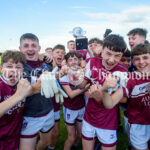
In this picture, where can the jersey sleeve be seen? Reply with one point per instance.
(64, 80)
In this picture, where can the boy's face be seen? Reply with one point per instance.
(125, 61)
(12, 72)
(110, 58)
(92, 46)
(95, 48)
(135, 39)
(58, 55)
(71, 46)
(49, 52)
(30, 48)
(142, 63)
(73, 61)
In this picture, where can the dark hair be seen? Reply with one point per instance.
(97, 40)
(70, 42)
(140, 49)
(16, 56)
(115, 43)
(29, 36)
(127, 53)
(59, 46)
(139, 31)
(71, 54)
(79, 55)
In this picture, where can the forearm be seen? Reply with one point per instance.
(83, 84)
(107, 100)
(110, 101)
(74, 93)
(9, 103)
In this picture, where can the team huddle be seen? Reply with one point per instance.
(30, 112)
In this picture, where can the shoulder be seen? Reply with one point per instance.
(64, 80)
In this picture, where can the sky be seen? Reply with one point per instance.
(52, 20)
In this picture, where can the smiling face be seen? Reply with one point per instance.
(142, 62)
(135, 39)
(12, 72)
(110, 58)
(58, 55)
(30, 48)
(73, 61)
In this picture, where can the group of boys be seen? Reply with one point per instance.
(26, 115)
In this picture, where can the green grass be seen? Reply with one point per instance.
(122, 138)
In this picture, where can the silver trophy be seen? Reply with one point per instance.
(78, 32)
(81, 40)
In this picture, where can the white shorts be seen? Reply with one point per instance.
(57, 115)
(107, 138)
(71, 116)
(32, 125)
(139, 135)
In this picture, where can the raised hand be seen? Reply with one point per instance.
(24, 88)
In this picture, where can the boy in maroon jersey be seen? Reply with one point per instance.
(74, 105)
(58, 53)
(138, 108)
(12, 99)
(99, 121)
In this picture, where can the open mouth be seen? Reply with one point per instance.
(30, 55)
(109, 64)
(131, 45)
(59, 60)
(12, 79)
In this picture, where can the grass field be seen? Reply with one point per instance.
(122, 138)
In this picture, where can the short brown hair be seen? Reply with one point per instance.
(140, 49)
(71, 54)
(139, 31)
(16, 56)
(59, 46)
(71, 41)
(48, 48)
(97, 40)
(30, 36)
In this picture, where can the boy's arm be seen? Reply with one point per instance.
(36, 87)
(83, 84)
(73, 93)
(23, 90)
(108, 100)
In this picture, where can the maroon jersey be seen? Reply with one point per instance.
(77, 102)
(11, 121)
(96, 114)
(138, 109)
